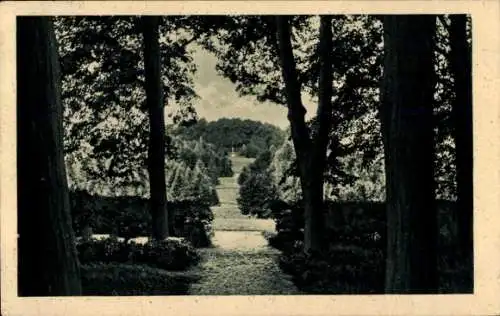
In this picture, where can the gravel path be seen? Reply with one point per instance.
(241, 263)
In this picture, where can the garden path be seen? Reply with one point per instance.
(240, 261)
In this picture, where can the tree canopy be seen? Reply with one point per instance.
(103, 88)
(250, 59)
(246, 137)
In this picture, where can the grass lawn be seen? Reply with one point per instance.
(243, 224)
(227, 216)
(228, 182)
(239, 162)
(227, 197)
(228, 191)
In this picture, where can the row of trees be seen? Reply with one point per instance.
(215, 160)
(183, 183)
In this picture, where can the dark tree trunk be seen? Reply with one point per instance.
(461, 68)
(406, 113)
(87, 233)
(48, 263)
(311, 154)
(155, 104)
(317, 161)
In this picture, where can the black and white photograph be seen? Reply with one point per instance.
(245, 154)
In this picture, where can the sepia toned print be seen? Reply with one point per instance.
(98, 120)
(252, 155)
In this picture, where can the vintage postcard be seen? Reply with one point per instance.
(250, 157)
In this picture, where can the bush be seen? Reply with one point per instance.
(255, 194)
(355, 237)
(170, 254)
(124, 279)
(104, 250)
(340, 270)
(192, 221)
(256, 188)
(129, 217)
(284, 240)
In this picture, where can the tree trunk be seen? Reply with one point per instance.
(87, 233)
(461, 68)
(317, 161)
(155, 104)
(312, 193)
(406, 116)
(48, 263)
(310, 154)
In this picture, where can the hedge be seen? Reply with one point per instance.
(169, 254)
(129, 217)
(355, 241)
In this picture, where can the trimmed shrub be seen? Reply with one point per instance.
(170, 254)
(124, 279)
(192, 221)
(104, 250)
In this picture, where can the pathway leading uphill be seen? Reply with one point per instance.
(241, 262)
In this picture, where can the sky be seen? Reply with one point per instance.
(218, 97)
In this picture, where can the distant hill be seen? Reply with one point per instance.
(246, 137)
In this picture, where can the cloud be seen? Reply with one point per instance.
(218, 97)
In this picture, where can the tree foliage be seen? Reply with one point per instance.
(356, 179)
(250, 60)
(182, 181)
(292, 43)
(103, 89)
(257, 189)
(215, 160)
